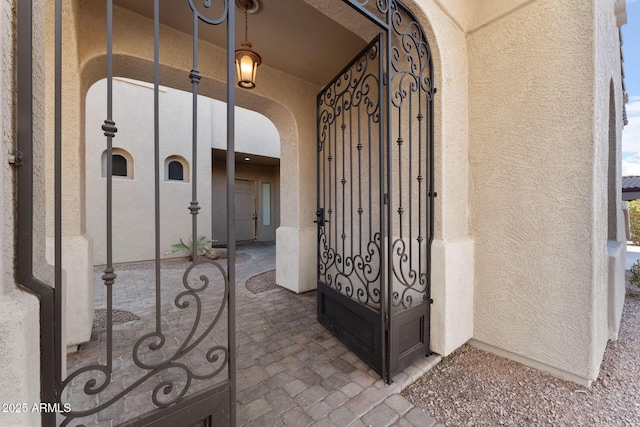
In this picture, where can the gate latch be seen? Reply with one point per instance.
(320, 214)
(16, 159)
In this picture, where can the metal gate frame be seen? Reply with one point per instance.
(199, 407)
(393, 335)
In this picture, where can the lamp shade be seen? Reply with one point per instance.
(247, 62)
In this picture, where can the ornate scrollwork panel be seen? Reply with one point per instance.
(349, 116)
(189, 353)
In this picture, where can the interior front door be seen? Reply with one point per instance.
(245, 210)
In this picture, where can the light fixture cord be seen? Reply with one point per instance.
(246, 24)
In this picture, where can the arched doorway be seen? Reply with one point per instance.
(173, 403)
(376, 195)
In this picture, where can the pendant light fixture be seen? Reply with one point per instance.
(247, 60)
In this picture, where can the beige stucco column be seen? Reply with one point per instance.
(609, 132)
(77, 253)
(539, 150)
(453, 250)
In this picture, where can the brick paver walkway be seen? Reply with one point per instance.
(291, 370)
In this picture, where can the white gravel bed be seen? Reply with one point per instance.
(475, 388)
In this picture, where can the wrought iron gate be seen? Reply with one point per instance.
(376, 194)
(153, 374)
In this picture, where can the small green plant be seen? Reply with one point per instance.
(203, 246)
(634, 277)
(634, 220)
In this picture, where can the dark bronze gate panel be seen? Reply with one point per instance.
(350, 297)
(376, 194)
(152, 374)
(410, 184)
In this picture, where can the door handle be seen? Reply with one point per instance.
(320, 221)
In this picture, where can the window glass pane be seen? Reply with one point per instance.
(176, 171)
(266, 203)
(119, 165)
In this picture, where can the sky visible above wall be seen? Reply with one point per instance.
(631, 49)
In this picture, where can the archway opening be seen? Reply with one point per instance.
(279, 101)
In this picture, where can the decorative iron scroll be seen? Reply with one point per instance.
(152, 346)
(411, 60)
(348, 145)
(409, 151)
(376, 10)
(411, 97)
(171, 363)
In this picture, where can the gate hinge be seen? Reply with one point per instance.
(434, 193)
(385, 78)
(386, 198)
(430, 300)
(16, 159)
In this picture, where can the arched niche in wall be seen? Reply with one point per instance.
(176, 169)
(121, 163)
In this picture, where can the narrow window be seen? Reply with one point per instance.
(176, 171)
(266, 203)
(176, 168)
(119, 165)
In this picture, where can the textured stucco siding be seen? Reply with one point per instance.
(284, 99)
(133, 211)
(453, 249)
(470, 16)
(19, 318)
(609, 245)
(532, 152)
(254, 133)
(76, 258)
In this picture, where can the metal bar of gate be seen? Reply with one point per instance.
(386, 164)
(58, 191)
(156, 154)
(109, 128)
(231, 227)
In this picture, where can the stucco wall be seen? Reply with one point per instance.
(77, 255)
(470, 16)
(134, 198)
(538, 176)
(610, 284)
(453, 248)
(277, 97)
(254, 133)
(19, 315)
(133, 212)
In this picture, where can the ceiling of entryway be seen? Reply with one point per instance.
(290, 35)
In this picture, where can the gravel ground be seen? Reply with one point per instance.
(117, 317)
(475, 388)
(262, 282)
